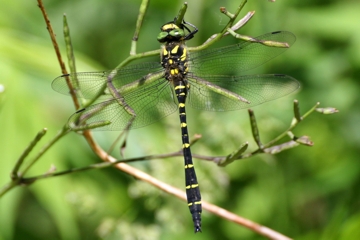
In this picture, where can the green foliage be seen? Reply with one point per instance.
(304, 193)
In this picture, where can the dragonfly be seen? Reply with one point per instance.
(138, 95)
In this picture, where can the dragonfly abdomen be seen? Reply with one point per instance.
(191, 183)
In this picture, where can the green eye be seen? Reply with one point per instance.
(177, 33)
(162, 36)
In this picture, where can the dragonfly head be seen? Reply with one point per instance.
(171, 32)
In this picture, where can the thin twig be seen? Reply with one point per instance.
(57, 51)
(43, 150)
(255, 129)
(100, 165)
(297, 113)
(29, 180)
(19, 162)
(235, 27)
(262, 230)
(218, 36)
(143, 8)
(292, 126)
(180, 16)
(69, 47)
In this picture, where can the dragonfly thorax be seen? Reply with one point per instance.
(174, 60)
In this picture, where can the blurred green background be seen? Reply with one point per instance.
(304, 193)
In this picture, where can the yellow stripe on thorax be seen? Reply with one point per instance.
(174, 71)
(175, 49)
(165, 52)
(183, 56)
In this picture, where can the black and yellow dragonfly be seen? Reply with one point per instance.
(137, 95)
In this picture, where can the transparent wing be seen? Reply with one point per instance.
(150, 103)
(256, 89)
(233, 59)
(155, 99)
(87, 85)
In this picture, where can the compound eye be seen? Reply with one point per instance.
(162, 36)
(177, 33)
